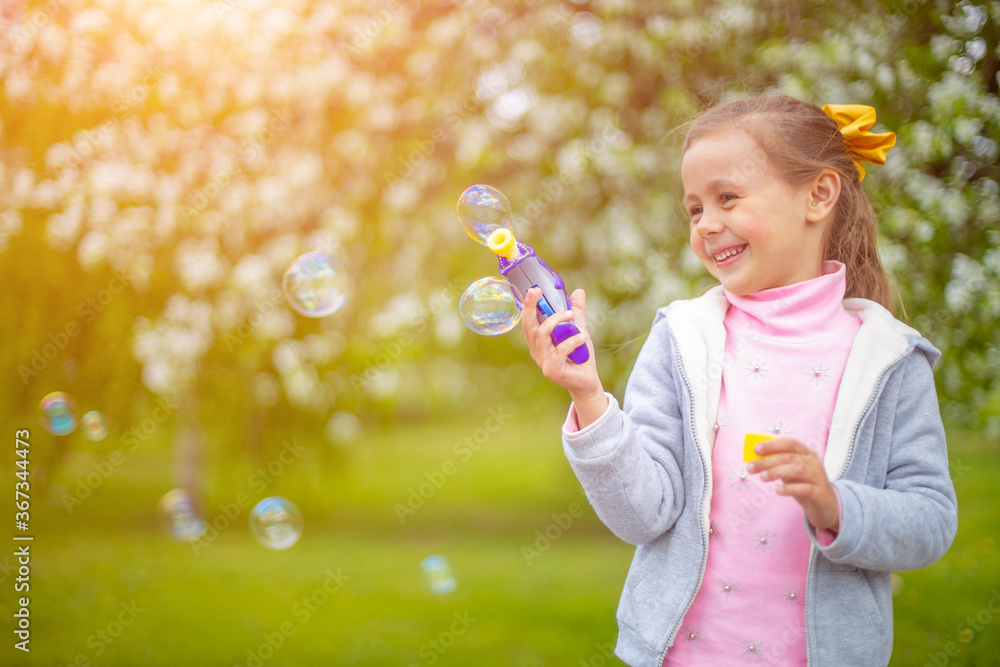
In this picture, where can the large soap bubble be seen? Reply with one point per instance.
(316, 285)
(490, 307)
(276, 523)
(180, 516)
(58, 413)
(482, 210)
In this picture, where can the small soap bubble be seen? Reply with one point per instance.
(276, 523)
(316, 285)
(483, 210)
(180, 515)
(965, 636)
(94, 426)
(58, 413)
(438, 575)
(490, 307)
(895, 583)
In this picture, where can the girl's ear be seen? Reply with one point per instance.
(824, 192)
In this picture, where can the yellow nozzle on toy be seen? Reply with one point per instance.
(750, 441)
(502, 242)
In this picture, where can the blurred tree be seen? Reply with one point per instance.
(162, 163)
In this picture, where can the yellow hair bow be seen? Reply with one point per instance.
(854, 121)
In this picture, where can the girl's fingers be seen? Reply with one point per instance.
(796, 471)
(553, 320)
(779, 445)
(578, 304)
(565, 348)
(529, 322)
(770, 461)
(797, 490)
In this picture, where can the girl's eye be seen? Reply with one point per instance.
(727, 197)
(694, 212)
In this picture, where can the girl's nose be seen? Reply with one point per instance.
(708, 224)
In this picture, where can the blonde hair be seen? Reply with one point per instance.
(802, 141)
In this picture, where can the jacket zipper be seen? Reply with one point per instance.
(847, 464)
(701, 505)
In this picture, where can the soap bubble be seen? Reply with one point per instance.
(94, 426)
(490, 307)
(483, 210)
(438, 575)
(58, 413)
(180, 515)
(316, 284)
(276, 523)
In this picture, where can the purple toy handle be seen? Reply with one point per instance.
(527, 271)
(566, 330)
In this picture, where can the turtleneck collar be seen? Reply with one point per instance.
(807, 310)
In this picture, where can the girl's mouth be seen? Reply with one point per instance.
(729, 255)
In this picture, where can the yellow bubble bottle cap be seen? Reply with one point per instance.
(750, 441)
(502, 242)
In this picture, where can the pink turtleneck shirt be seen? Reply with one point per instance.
(786, 349)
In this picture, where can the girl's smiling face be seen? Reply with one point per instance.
(751, 229)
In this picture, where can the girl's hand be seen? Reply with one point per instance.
(801, 476)
(581, 380)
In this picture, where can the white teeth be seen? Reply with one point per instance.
(726, 254)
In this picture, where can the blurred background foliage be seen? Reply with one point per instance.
(162, 162)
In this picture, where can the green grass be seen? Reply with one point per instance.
(220, 606)
(932, 607)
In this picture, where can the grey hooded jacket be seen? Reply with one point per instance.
(646, 469)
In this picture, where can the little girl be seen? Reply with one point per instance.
(781, 555)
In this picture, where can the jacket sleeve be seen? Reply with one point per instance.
(629, 460)
(911, 522)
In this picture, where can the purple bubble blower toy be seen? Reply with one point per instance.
(486, 216)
